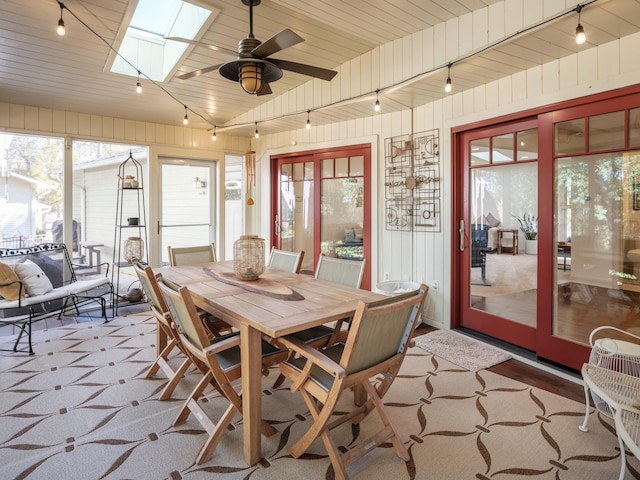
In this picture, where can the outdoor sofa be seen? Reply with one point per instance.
(40, 281)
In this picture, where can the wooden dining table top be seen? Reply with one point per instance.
(277, 304)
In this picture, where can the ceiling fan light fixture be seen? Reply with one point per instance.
(251, 77)
(252, 73)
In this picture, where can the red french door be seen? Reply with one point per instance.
(572, 172)
(321, 204)
(498, 269)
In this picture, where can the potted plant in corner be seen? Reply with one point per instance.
(529, 227)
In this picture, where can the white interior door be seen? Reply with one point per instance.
(187, 196)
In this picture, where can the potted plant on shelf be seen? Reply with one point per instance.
(529, 227)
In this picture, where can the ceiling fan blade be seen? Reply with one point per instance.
(285, 39)
(265, 90)
(318, 72)
(202, 44)
(196, 73)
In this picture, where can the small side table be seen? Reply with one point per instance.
(93, 247)
(514, 240)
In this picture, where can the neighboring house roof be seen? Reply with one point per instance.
(33, 181)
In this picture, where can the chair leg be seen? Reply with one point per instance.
(173, 381)
(216, 432)
(164, 355)
(185, 410)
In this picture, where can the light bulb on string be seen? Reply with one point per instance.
(213, 136)
(447, 85)
(377, 105)
(580, 35)
(308, 120)
(257, 135)
(138, 85)
(185, 120)
(61, 30)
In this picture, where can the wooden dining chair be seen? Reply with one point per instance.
(192, 255)
(180, 256)
(221, 355)
(345, 272)
(339, 270)
(285, 261)
(376, 346)
(166, 329)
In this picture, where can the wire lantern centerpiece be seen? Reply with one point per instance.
(248, 257)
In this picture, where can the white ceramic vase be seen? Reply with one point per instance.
(531, 247)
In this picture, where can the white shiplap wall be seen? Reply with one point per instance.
(424, 256)
(421, 256)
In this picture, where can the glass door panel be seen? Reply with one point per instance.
(341, 212)
(596, 230)
(322, 205)
(186, 217)
(294, 227)
(502, 269)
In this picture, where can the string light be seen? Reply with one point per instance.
(213, 137)
(580, 39)
(138, 85)
(257, 134)
(447, 85)
(185, 120)
(580, 36)
(61, 30)
(308, 120)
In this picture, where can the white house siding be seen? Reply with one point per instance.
(419, 256)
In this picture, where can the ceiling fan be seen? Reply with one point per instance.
(254, 68)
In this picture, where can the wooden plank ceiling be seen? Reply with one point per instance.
(40, 68)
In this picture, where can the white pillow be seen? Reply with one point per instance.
(35, 281)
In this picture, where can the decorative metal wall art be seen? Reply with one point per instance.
(412, 182)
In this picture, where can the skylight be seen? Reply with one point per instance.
(144, 45)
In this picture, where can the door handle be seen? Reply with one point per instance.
(461, 233)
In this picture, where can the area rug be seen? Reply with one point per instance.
(81, 409)
(461, 350)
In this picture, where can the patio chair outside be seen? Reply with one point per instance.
(166, 328)
(221, 356)
(286, 261)
(376, 346)
(192, 255)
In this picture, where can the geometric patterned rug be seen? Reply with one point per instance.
(80, 408)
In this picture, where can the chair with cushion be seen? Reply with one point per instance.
(370, 359)
(221, 356)
(166, 329)
(180, 256)
(192, 255)
(286, 261)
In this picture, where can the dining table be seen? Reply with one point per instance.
(278, 303)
